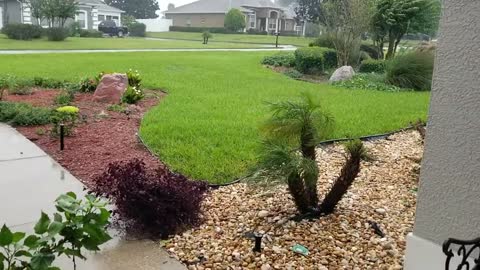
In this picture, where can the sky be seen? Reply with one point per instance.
(164, 3)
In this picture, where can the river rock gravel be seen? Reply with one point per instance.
(383, 195)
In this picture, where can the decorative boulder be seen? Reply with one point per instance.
(111, 88)
(342, 74)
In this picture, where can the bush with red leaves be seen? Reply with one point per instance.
(157, 203)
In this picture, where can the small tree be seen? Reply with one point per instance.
(346, 21)
(355, 152)
(394, 18)
(206, 35)
(296, 125)
(235, 20)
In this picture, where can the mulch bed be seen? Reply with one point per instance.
(312, 78)
(102, 136)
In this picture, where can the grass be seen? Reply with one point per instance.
(76, 43)
(207, 127)
(240, 38)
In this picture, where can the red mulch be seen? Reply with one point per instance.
(99, 140)
(39, 97)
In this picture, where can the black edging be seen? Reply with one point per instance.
(322, 143)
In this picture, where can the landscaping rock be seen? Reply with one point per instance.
(341, 240)
(344, 73)
(111, 88)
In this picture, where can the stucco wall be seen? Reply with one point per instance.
(449, 193)
(197, 20)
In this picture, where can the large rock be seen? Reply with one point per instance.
(342, 74)
(111, 88)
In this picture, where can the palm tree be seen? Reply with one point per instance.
(296, 125)
(355, 153)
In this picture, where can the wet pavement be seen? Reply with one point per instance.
(30, 181)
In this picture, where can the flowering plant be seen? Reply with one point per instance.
(132, 95)
(134, 78)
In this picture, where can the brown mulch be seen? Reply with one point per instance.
(102, 136)
(39, 97)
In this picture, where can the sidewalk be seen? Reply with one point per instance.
(282, 48)
(30, 181)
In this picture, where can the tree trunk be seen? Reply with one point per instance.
(297, 190)
(348, 174)
(391, 46)
(307, 144)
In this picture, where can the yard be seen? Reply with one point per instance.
(238, 38)
(77, 43)
(207, 126)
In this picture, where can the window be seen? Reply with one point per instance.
(109, 17)
(101, 18)
(189, 22)
(202, 20)
(81, 18)
(251, 19)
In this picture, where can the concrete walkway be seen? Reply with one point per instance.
(283, 48)
(30, 181)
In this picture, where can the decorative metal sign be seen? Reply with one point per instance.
(466, 249)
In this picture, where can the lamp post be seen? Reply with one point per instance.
(276, 39)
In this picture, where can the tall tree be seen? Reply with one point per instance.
(346, 21)
(235, 20)
(140, 9)
(285, 3)
(394, 18)
(170, 6)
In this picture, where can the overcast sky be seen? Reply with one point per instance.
(164, 3)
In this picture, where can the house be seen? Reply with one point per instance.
(260, 15)
(89, 14)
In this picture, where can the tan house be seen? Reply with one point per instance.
(260, 15)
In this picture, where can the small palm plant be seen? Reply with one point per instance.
(355, 153)
(289, 153)
(206, 35)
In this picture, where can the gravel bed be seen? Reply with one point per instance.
(384, 192)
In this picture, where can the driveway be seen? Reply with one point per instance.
(30, 181)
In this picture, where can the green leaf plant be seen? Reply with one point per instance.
(78, 225)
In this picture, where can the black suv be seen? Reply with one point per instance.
(111, 28)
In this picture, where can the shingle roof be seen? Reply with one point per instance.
(100, 5)
(221, 6)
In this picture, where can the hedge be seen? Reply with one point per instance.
(137, 29)
(372, 65)
(91, 33)
(22, 31)
(315, 59)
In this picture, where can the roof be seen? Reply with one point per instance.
(99, 4)
(221, 6)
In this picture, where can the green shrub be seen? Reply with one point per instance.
(66, 115)
(369, 81)
(22, 31)
(76, 226)
(48, 83)
(132, 95)
(75, 29)
(57, 34)
(324, 41)
(315, 59)
(294, 74)
(65, 97)
(137, 29)
(20, 86)
(88, 85)
(22, 114)
(412, 70)
(134, 78)
(372, 65)
(371, 50)
(90, 33)
(285, 59)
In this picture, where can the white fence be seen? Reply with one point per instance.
(156, 25)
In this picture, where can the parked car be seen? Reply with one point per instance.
(111, 28)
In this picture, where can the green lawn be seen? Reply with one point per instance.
(241, 38)
(73, 43)
(207, 127)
